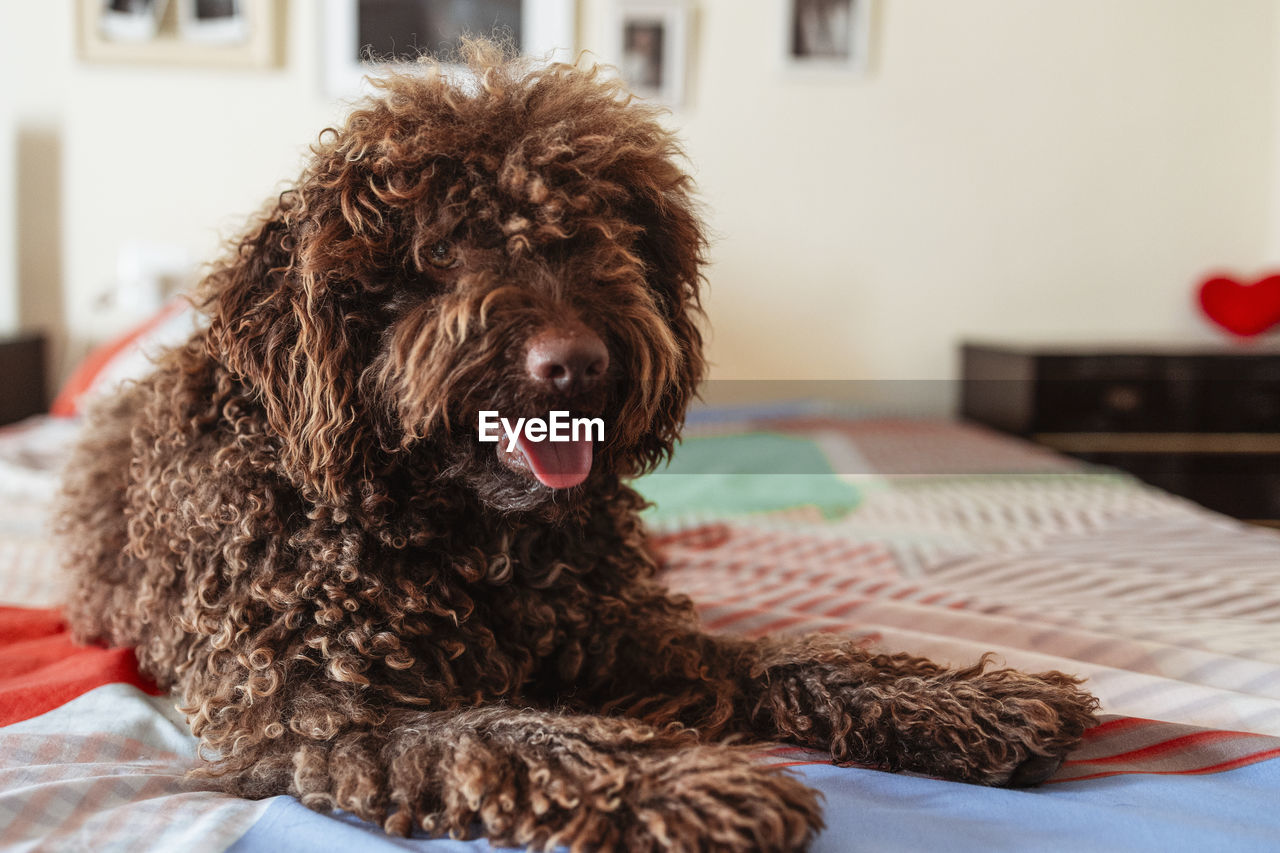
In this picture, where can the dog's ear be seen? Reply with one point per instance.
(673, 247)
(285, 320)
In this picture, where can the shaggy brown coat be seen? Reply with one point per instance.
(360, 605)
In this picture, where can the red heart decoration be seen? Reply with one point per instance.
(1243, 309)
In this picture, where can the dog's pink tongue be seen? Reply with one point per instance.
(558, 464)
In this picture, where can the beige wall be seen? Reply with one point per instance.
(8, 243)
(118, 153)
(35, 69)
(36, 65)
(1023, 167)
(1273, 253)
(1008, 167)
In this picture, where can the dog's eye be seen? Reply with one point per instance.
(443, 255)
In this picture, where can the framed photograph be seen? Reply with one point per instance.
(228, 33)
(213, 21)
(362, 35)
(130, 20)
(651, 45)
(827, 35)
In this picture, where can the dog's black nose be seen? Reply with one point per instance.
(569, 359)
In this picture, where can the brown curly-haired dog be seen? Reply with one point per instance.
(363, 606)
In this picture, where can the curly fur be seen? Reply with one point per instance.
(360, 605)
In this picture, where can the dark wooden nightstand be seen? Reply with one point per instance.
(22, 376)
(1199, 421)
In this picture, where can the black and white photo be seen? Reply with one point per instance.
(826, 34)
(213, 21)
(130, 20)
(407, 29)
(642, 55)
(652, 43)
(360, 35)
(210, 33)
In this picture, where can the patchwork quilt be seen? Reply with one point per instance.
(930, 537)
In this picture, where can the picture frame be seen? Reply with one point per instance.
(224, 33)
(545, 30)
(130, 20)
(651, 47)
(826, 37)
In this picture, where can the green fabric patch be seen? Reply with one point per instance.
(746, 474)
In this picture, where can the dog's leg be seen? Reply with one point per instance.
(982, 725)
(543, 779)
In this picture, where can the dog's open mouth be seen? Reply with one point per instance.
(555, 464)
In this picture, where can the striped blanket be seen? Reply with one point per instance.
(930, 537)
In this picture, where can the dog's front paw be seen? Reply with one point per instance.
(1023, 725)
(667, 794)
(998, 727)
(717, 798)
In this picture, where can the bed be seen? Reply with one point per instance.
(928, 536)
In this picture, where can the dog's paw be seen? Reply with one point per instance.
(716, 798)
(633, 797)
(1037, 718)
(997, 727)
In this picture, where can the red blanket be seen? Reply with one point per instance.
(41, 667)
